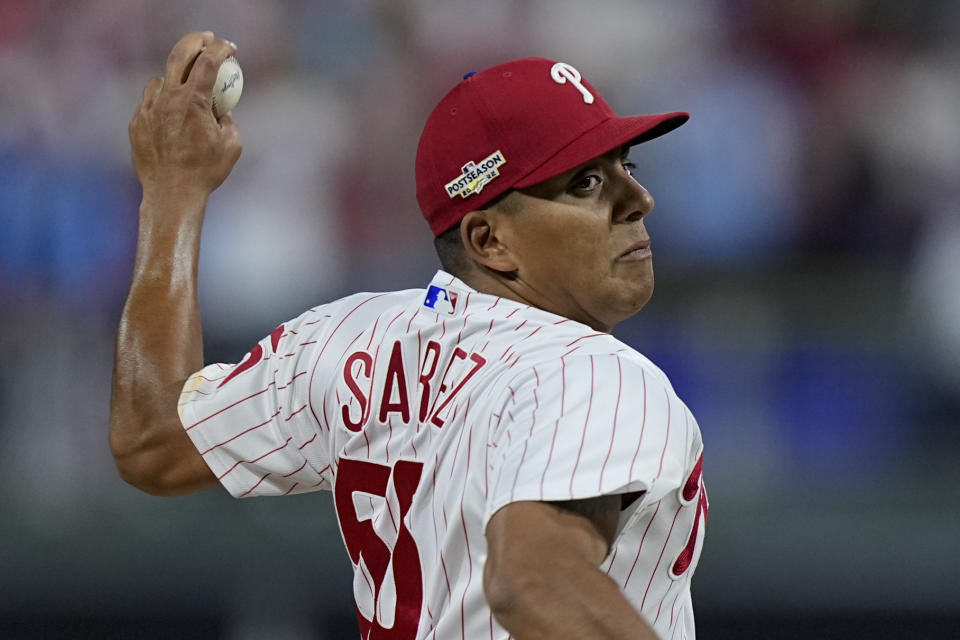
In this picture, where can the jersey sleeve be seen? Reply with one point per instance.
(583, 427)
(252, 421)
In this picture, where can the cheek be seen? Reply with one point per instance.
(581, 244)
(570, 247)
(576, 262)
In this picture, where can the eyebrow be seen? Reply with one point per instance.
(620, 153)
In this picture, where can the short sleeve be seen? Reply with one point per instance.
(580, 428)
(252, 422)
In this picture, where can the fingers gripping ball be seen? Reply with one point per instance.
(226, 92)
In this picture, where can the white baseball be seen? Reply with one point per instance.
(226, 92)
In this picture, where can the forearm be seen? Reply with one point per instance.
(566, 597)
(181, 153)
(161, 318)
(159, 343)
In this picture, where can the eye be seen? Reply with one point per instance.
(629, 166)
(588, 182)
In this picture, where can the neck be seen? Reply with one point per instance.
(512, 287)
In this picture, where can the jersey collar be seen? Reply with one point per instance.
(448, 295)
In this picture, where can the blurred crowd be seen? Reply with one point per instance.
(806, 225)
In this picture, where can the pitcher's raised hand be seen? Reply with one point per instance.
(178, 146)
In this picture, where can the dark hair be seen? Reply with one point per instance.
(449, 246)
(450, 250)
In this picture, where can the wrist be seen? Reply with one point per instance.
(171, 207)
(157, 195)
(168, 239)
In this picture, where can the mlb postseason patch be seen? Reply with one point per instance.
(475, 176)
(441, 300)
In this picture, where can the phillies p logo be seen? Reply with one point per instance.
(562, 73)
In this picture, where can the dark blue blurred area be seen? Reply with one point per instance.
(67, 225)
(843, 411)
(807, 307)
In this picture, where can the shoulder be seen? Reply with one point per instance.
(357, 307)
(375, 300)
(580, 352)
(608, 367)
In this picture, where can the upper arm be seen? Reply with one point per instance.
(523, 537)
(252, 423)
(163, 461)
(247, 426)
(542, 577)
(596, 517)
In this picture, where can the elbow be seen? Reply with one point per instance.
(508, 587)
(499, 593)
(132, 471)
(137, 466)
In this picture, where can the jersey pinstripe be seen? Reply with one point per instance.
(426, 411)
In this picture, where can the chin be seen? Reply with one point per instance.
(640, 292)
(641, 297)
(636, 290)
(641, 301)
(629, 305)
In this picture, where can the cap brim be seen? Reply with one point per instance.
(601, 139)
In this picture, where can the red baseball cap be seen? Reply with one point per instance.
(512, 126)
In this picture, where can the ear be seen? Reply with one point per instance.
(481, 233)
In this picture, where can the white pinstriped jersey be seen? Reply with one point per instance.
(425, 411)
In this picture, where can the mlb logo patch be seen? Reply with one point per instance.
(474, 176)
(441, 300)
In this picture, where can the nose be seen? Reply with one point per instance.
(634, 203)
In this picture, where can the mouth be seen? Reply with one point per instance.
(637, 252)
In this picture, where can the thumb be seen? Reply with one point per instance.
(231, 135)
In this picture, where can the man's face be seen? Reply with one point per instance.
(580, 243)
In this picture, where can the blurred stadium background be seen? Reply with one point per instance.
(807, 308)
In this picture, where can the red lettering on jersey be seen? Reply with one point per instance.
(359, 476)
(367, 361)
(693, 487)
(275, 336)
(432, 347)
(254, 357)
(458, 353)
(395, 378)
(394, 397)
